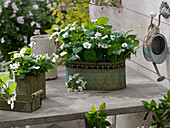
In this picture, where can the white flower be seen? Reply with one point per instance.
(112, 37)
(74, 23)
(73, 28)
(35, 7)
(56, 29)
(93, 37)
(100, 27)
(36, 67)
(104, 37)
(54, 34)
(63, 53)
(94, 21)
(32, 44)
(2, 40)
(20, 20)
(105, 46)
(54, 60)
(66, 28)
(56, 40)
(62, 46)
(76, 75)
(98, 34)
(37, 32)
(77, 56)
(123, 50)
(65, 34)
(17, 55)
(23, 50)
(14, 66)
(87, 45)
(124, 45)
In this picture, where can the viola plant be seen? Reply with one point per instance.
(25, 63)
(160, 112)
(76, 83)
(97, 119)
(94, 42)
(7, 89)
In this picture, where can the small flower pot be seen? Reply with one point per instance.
(31, 84)
(99, 76)
(45, 46)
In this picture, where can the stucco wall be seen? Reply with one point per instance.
(135, 16)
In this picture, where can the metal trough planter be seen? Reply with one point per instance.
(99, 76)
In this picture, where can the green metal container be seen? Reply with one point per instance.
(31, 84)
(99, 76)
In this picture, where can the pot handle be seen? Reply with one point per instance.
(37, 93)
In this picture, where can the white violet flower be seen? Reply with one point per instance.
(32, 44)
(124, 45)
(65, 34)
(63, 53)
(87, 45)
(104, 37)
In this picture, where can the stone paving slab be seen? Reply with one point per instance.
(61, 105)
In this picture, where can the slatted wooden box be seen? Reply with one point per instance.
(24, 103)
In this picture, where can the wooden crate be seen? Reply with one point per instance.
(24, 103)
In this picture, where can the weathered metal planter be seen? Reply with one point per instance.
(24, 103)
(99, 76)
(31, 84)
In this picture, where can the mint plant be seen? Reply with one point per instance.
(160, 111)
(97, 119)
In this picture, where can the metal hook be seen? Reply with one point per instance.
(159, 20)
(152, 15)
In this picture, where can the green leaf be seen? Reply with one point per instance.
(77, 50)
(153, 103)
(132, 37)
(11, 75)
(89, 25)
(99, 54)
(89, 33)
(102, 21)
(168, 94)
(90, 56)
(12, 86)
(102, 107)
(73, 58)
(107, 123)
(93, 108)
(28, 50)
(3, 78)
(153, 117)
(21, 76)
(128, 32)
(145, 103)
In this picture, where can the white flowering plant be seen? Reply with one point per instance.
(21, 19)
(75, 83)
(94, 42)
(7, 89)
(24, 63)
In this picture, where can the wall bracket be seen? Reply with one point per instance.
(165, 9)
